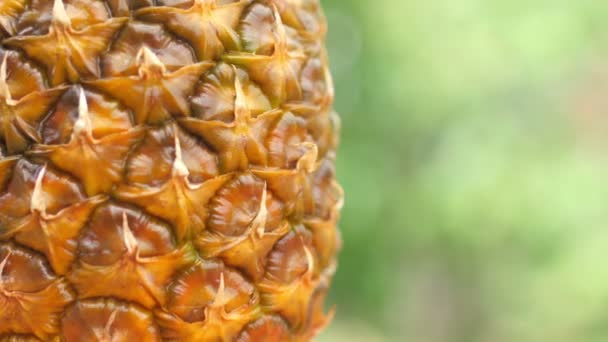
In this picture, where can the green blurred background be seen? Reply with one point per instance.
(474, 159)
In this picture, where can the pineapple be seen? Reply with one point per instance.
(166, 170)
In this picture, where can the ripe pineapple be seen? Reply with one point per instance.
(166, 170)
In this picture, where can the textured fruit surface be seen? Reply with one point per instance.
(166, 170)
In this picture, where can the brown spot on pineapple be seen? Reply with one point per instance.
(68, 53)
(240, 142)
(108, 320)
(128, 255)
(155, 94)
(208, 302)
(32, 298)
(206, 25)
(245, 223)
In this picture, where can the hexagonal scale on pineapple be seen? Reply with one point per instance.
(19, 118)
(155, 94)
(38, 16)
(129, 255)
(208, 301)
(266, 328)
(67, 52)
(277, 74)
(286, 142)
(151, 163)
(107, 320)
(106, 117)
(9, 11)
(244, 224)
(52, 234)
(291, 278)
(178, 200)
(241, 142)
(121, 59)
(208, 26)
(32, 298)
(215, 96)
(98, 163)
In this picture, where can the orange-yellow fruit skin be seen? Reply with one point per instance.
(166, 170)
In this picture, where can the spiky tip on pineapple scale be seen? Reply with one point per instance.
(166, 170)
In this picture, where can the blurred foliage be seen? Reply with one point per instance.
(473, 159)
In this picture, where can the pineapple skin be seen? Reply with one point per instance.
(166, 170)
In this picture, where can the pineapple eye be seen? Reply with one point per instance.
(326, 194)
(106, 319)
(107, 117)
(290, 258)
(26, 285)
(237, 204)
(152, 162)
(286, 140)
(206, 287)
(267, 328)
(36, 20)
(22, 77)
(215, 96)
(121, 60)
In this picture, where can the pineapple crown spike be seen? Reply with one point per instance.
(221, 299)
(147, 60)
(83, 123)
(329, 80)
(310, 261)
(280, 33)
(37, 202)
(4, 90)
(308, 161)
(60, 15)
(127, 235)
(107, 334)
(242, 114)
(259, 222)
(179, 167)
(4, 262)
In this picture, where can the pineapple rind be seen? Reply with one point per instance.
(166, 170)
